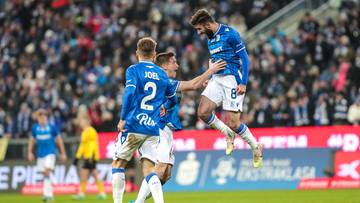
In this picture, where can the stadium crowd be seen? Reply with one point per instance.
(61, 54)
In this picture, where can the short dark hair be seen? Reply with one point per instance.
(200, 17)
(146, 46)
(163, 58)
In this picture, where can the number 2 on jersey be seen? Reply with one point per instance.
(149, 97)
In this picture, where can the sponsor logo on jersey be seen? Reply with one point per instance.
(43, 137)
(216, 50)
(145, 119)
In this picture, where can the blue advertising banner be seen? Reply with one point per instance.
(213, 170)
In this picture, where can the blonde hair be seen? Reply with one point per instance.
(146, 47)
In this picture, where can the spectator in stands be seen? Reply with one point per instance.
(322, 111)
(59, 56)
(340, 110)
(260, 9)
(308, 30)
(24, 121)
(353, 115)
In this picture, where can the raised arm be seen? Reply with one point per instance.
(197, 82)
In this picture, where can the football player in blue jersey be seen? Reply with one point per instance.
(46, 136)
(146, 87)
(227, 87)
(170, 120)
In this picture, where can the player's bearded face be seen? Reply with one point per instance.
(204, 29)
(209, 33)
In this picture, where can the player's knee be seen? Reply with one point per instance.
(46, 173)
(161, 171)
(118, 163)
(203, 114)
(233, 124)
(167, 177)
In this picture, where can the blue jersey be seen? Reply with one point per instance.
(45, 139)
(171, 118)
(225, 44)
(151, 85)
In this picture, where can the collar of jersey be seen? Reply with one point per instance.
(218, 30)
(146, 62)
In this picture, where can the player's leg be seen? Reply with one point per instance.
(206, 113)
(164, 157)
(241, 129)
(165, 154)
(233, 121)
(47, 165)
(152, 180)
(47, 185)
(84, 174)
(168, 173)
(118, 179)
(163, 170)
(124, 149)
(232, 105)
(99, 183)
(149, 154)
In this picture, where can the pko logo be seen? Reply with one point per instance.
(145, 119)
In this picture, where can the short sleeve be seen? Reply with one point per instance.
(55, 131)
(172, 87)
(33, 131)
(235, 42)
(130, 77)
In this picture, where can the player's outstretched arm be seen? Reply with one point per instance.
(197, 82)
(31, 145)
(61, 147)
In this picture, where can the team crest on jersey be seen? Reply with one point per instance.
(215, 39)
(145, 119)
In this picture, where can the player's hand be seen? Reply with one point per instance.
(162, 111)
(31, 157)
(121, 126)
(205, 83)
(63, 157)
(217, 66)
(241, 89)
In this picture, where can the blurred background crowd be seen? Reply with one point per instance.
(62, 54)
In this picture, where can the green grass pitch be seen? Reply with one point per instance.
(275, 196)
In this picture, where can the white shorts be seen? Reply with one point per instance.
(165, 148)
(221, 89)
(127, 143)
(46, 162)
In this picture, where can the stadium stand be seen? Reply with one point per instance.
(59, 55)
